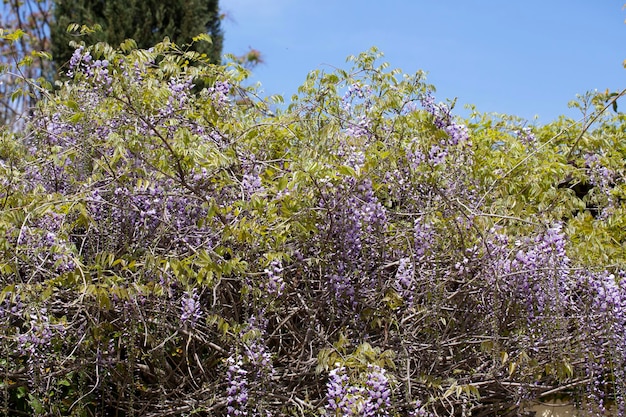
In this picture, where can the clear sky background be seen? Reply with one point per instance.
(526, 58)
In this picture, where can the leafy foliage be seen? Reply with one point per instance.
(171, 247)
(146, 22)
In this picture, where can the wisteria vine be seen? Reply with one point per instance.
(172, 247)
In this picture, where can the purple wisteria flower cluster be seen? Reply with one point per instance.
(340, 395)
(603, 179)
(191, 308)
(255, 350)
(149, 213)
(424, 235)
(443, 119)
(249, 366)
(405, 280)
(356, 219)
(536, 273)
(45, 245)
(540, 280)
(237, 389)
(370, 399)
(457, 135)
(80, 59)
(526, 136)
(39, 333)
(275, 285)
(95, 69)
(220, 93)
(355, 101)
(251, 181)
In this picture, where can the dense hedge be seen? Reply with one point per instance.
(170, 248)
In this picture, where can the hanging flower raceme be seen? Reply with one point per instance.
(371, 398)
(190, 306)
(236, 376)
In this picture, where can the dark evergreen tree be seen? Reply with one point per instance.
(145, 21)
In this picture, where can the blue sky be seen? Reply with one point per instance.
(527, 58)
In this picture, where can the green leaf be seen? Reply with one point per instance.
(128, 45)
(17, 94)
(347, 170)
(512, 368)
(14, 36)
(76, 117)
(42, 54)
(72, 27)
(35, 404)
(9, 289)
(203, 37)
(64, 382)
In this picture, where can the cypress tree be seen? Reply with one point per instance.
(145, 21)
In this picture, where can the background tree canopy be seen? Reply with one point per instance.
(146, 22)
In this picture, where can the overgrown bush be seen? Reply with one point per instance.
(175, 249)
